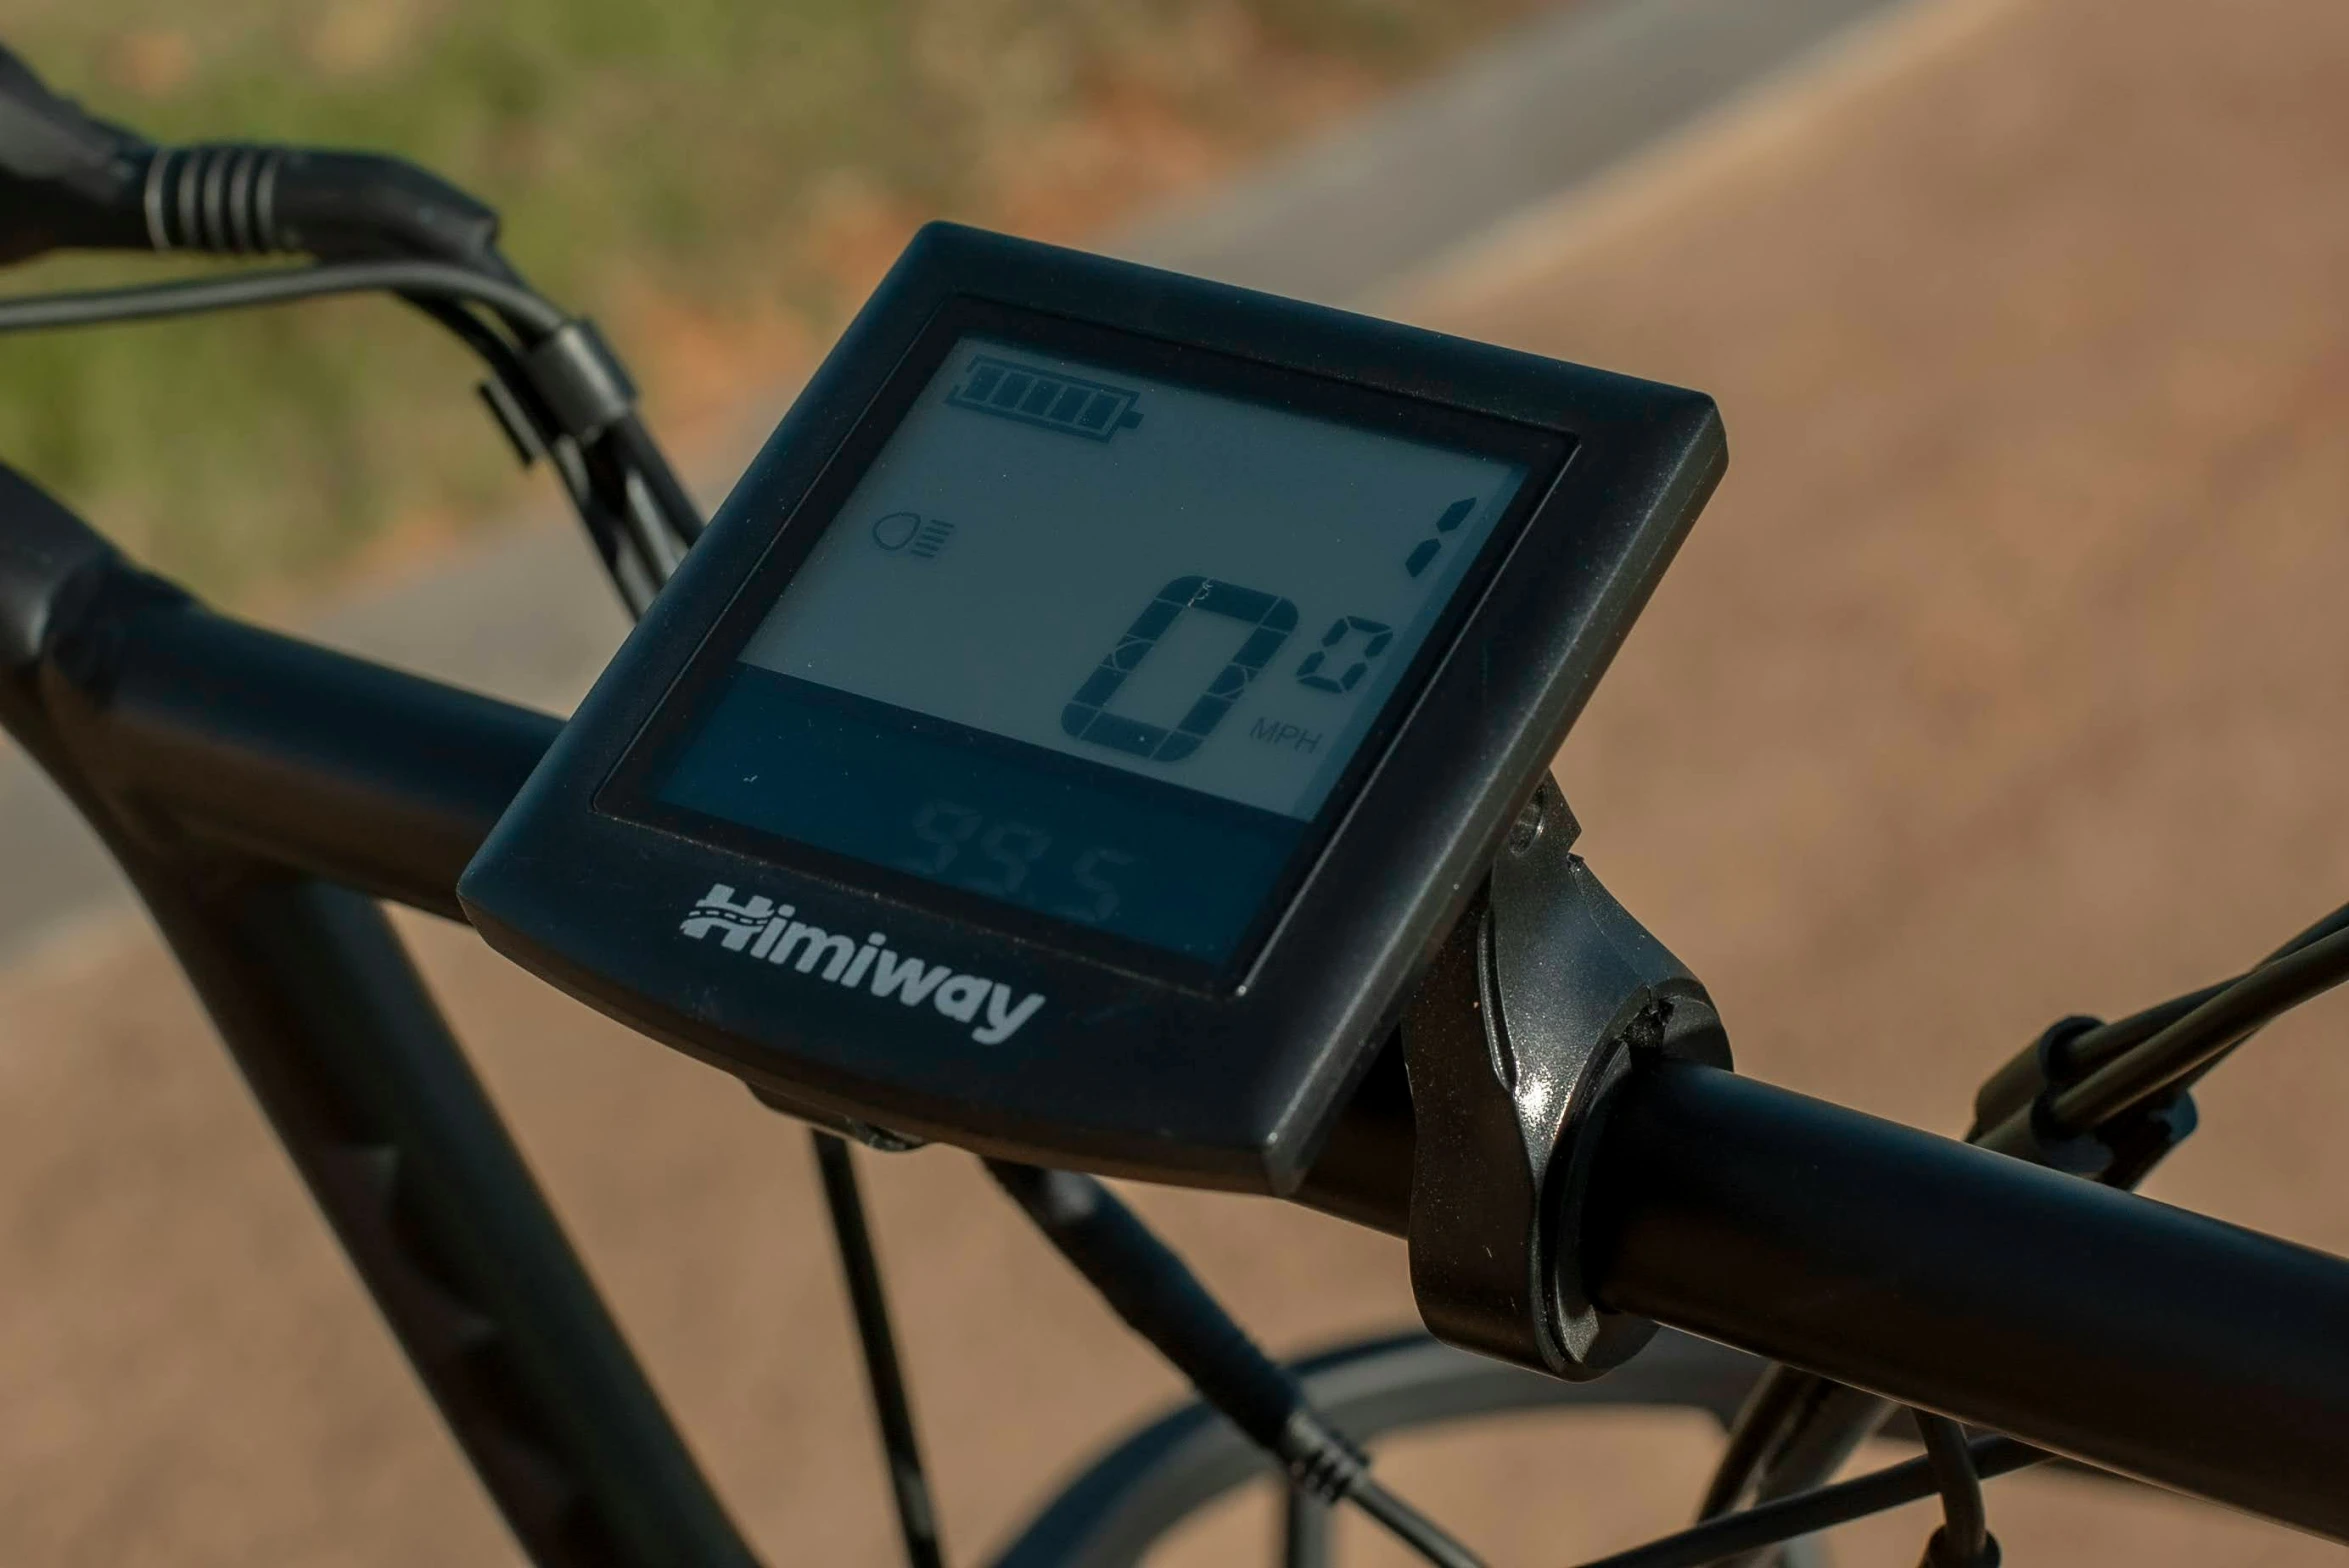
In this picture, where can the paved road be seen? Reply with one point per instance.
(528, 617)
(2001, 680)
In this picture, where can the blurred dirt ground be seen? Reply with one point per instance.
(2003, 679)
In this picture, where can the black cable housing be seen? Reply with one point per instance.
(1769, 1524)
(860, 1268)
(2194, 1042)
(530, 315)
(639, 539)
(644, 455)
(1964, 1540)
(1159, 1297)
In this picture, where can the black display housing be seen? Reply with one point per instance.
(1136, 1066)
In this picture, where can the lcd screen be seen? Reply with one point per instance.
(1097, 644)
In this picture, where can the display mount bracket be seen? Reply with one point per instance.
(1544, 998)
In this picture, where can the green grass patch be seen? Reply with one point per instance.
(717, 180)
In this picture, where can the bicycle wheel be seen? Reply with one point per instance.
(1151, 1482)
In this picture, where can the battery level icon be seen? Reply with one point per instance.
(1069, 404)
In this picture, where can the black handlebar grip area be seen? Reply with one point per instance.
(237, 198)
(66, 177)
(69, 180)
(2127, 1333)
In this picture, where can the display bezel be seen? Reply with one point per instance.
(631, 792)
(1120, 1072)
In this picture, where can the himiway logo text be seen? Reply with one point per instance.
(760, 929)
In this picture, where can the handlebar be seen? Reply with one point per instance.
(310, 759)
(2105, 1326)
(2136, 1336)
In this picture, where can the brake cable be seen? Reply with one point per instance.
(526, 310)
(557, 391)
(1964, 1539)
(1731, 1537)
(1154, 1291)
(2184, 1050)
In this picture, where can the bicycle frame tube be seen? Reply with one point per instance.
(224, 765)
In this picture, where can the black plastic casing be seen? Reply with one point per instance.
(1121, 1072)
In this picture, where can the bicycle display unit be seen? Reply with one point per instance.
(1144, 797)
(1233, 863)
